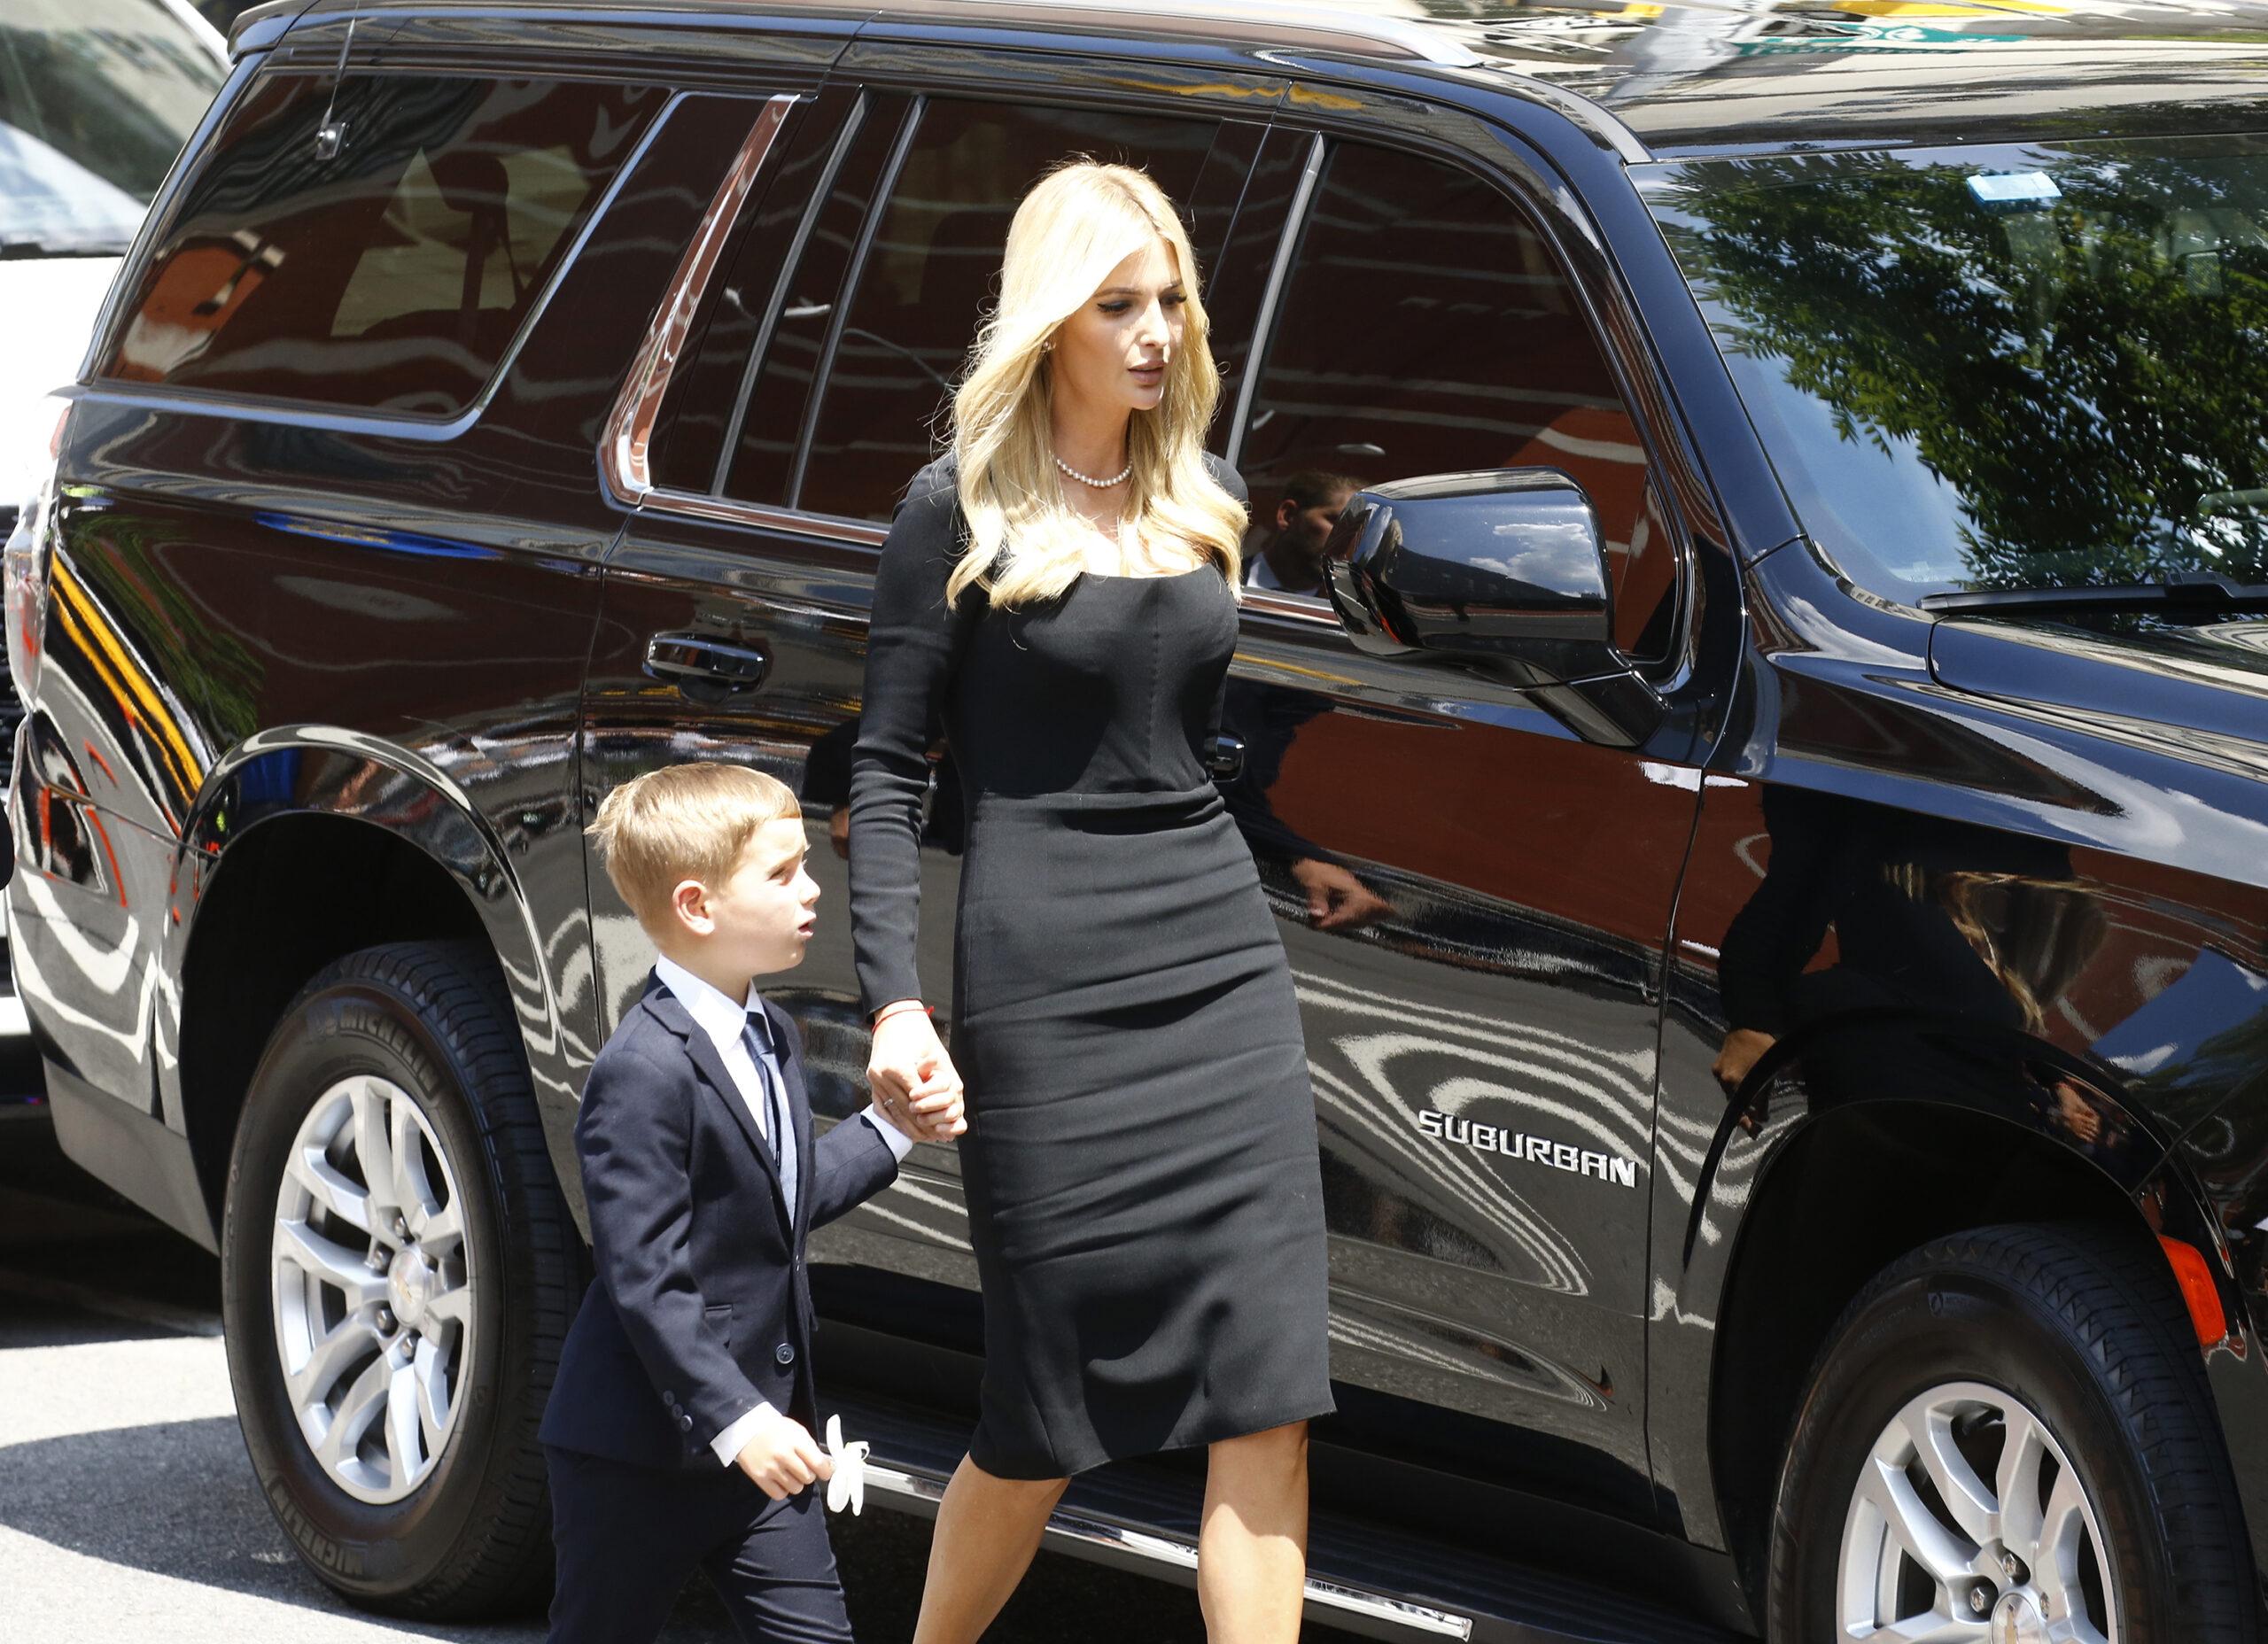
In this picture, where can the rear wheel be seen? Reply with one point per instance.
(2008, 1439)
(399, 1278)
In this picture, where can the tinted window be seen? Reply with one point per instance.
(932, 270)
(393, 274)
(706, 394)
(1426, 327)
(1991, 368)
(96, 98)
(802, 312)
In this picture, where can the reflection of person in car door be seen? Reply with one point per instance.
(1927, 913)
(1266, 718)
(1290, 560)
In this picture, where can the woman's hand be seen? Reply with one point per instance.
(1743, 1049)
(1336, 899)
(912, 1075)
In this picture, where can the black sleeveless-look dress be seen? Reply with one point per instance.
(1144, 1193)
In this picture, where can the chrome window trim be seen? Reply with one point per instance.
(1263, 328)
(853, 272)
(323, 414)
(853, 123)
(1311, 610)
(766, 517)
(630, 429)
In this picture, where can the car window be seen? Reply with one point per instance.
(2029, 365)
(392, 274)
(1426, 327)
(96, 98)
(930, 272)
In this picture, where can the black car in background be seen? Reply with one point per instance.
(1763, 786)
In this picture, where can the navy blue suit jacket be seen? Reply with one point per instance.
(700, 1308)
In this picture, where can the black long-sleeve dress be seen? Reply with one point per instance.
(1144, 1193)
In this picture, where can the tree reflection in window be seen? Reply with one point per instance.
(2057, 387)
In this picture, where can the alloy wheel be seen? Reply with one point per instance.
(374, 1294)
(1968, 1522)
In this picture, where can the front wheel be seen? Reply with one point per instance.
(2009, 1439)
(398, 1279)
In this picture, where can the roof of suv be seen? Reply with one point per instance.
(1699, 76)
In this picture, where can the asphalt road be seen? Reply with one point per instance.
(127, 1509)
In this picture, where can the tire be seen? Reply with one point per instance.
(406, 1470)
(2049, 1375)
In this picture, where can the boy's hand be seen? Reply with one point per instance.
(783, 1459)
(942, 1126)
(915, 1079)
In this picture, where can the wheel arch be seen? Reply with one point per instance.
(306, 843)
(1796, 1219)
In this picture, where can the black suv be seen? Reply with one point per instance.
(1762, 783)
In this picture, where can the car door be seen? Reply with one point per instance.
(1474, 896)
(734, 620)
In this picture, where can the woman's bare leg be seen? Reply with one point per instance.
(988, 1529)
(1252, 1552)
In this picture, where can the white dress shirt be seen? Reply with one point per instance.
(726, 1022)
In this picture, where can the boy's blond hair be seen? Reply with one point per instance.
(683, 822)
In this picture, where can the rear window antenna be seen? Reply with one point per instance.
(330, 136)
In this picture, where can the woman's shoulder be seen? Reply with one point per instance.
(1228, 480)
(927, 521)
(938, 483)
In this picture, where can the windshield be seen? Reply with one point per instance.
(96, 98)
(1999, 367)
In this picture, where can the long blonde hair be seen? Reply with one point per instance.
(1078, 224)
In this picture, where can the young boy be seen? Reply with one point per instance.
(680, 1428)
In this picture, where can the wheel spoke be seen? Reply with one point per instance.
(330, 1263)
(329, 1189)
(373, 1114)
(433, 1408)
(405, 1434)
(1967, 1497)
(438, 1231)
(412, 1194)
(1912, 1526)
(2064, 1545)
(365, 1403)
(1937, 1627)
(329, 1360)
(2017, 1481)
(453, 1306)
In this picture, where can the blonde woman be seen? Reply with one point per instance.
(1058, 599)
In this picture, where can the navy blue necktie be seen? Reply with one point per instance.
(757, 1036)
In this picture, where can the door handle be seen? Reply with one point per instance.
(698, 660)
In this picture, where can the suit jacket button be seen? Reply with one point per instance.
(685, 1422)
(785, 1353)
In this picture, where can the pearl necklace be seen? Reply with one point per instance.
(1099, 484)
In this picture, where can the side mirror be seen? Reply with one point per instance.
(1501, 571)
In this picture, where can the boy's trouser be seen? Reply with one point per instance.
(628, 1537)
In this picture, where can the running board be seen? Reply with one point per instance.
(1144, 1523)
(1090, 1536)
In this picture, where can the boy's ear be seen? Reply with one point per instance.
(689, 907)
